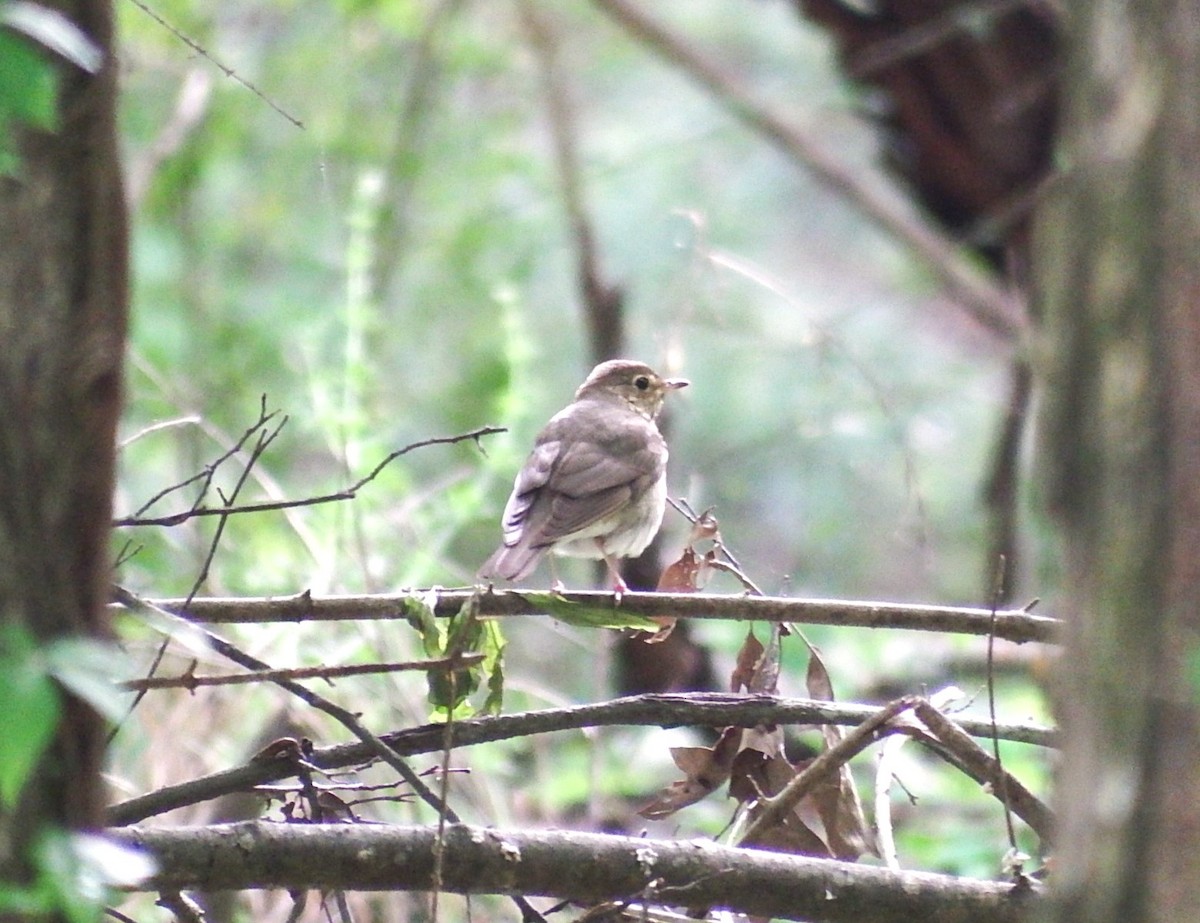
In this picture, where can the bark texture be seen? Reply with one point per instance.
(63, 291)
(1120, 289)
(587, 867)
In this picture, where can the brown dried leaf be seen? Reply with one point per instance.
(757, 667)
(756, 776)
(820, 686)
(836, 798)
(675, 796)
(687, 575)
(747, 662)
(792, 836)
(706, 769)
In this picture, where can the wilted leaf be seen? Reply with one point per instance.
(706, 769)
(836, 797)
(31, 704)
(682, 576)
(756, 775)
(757, 667)
(792, 836)
(820, 686)
(462, 633)
(747, 661)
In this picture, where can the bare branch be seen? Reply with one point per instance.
(191, 682)
(1017, 625)
(579, 866)
(666, 710)
(346, 718)
(348, 493)
(227, 71)
(987, 770)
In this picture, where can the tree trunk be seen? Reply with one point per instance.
(63, 292)
(1120, 288)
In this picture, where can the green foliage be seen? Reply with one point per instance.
(32, 703)
(463, 633)
(73, 874)
(28, 93)
(584, 616)
(28, 672)
(29, 32)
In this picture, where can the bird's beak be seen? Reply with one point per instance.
(674, 384)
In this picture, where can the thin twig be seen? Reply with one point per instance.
(227, 71)
(209, 471)
(347, 493)
(192, 682)
(776, 808)
(261, 445)
(346, 718)
(1002, 776)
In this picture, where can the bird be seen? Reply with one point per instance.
(594, 485)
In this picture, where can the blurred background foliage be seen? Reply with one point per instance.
(366, 226)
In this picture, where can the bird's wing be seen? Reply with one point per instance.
(590, 481)
(530, 480)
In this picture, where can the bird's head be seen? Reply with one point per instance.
(635, 383)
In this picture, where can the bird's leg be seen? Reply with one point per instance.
(620, 588)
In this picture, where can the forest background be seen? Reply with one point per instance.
(363, 216)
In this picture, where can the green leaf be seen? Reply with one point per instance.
(31, 705)
(573, 613)
(91, 669)
(28, 85)
(493, 667)
(420, 616)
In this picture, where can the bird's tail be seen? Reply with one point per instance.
(511, 562)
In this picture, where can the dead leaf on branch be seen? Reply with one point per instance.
(687, 575)
(705, 770)
(757, 667)
(836, 798)
(757, 775)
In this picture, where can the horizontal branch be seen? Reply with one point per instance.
(667, 710)
(191, 682)
(1010, 624)
(563, 865)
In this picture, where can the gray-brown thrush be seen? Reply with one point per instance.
(594, 485)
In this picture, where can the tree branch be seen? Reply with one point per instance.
(667, 710)
(191, 682)
(1016, 625)
(347, 493)
(569, 865)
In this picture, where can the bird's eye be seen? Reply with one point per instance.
(641, 382)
